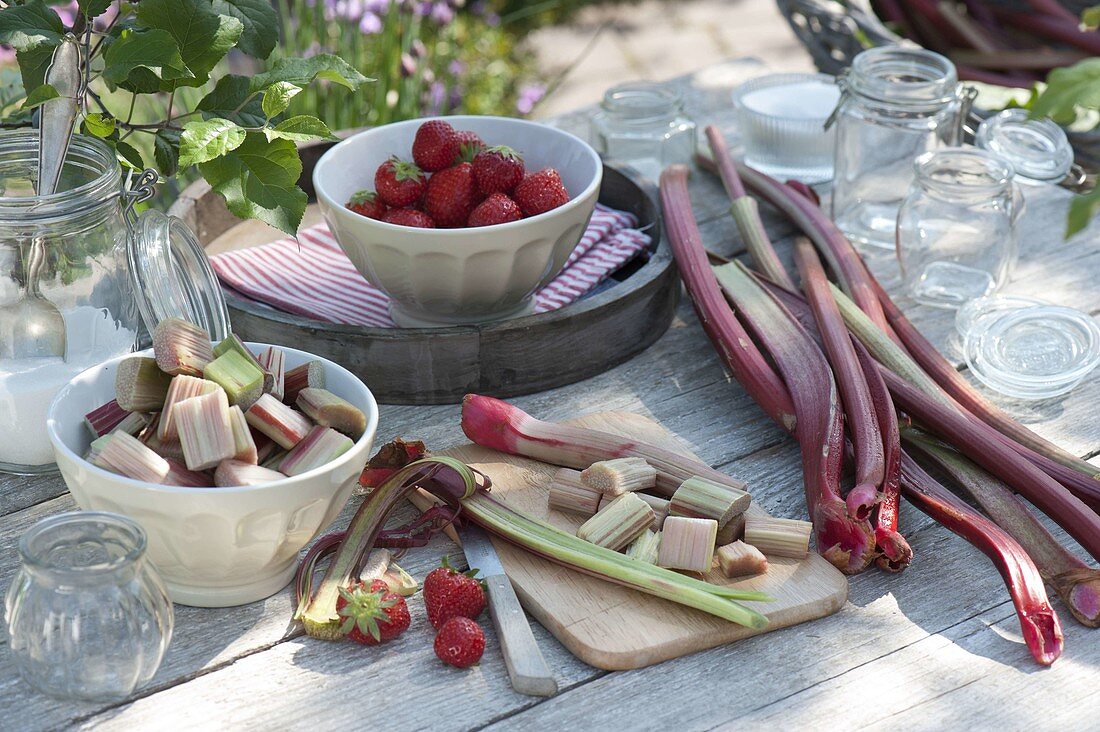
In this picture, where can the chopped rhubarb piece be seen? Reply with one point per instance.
(687, 543)
(325, 408)
(140, 386)
(739, 559)
(321, 446)
(170, 449)
(178, 474)
(204, 430)
(234, 343)
(618, 524)
(96, 447)
(233, 473)
(182, 387)
(265, 446)
(126, 455)
(242, 379)
(567, 493)
(243, 443)
(278, 421)
(311, 374)
(621, 475)
(275, 460)
(272, 362)
(181, 347)
(103, 419)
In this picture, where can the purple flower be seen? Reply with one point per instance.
(408, 66)
(419, 50)
(529, 96)
(378, 7)
(68, 12)
(454, 99)
(442, 13)
(456, 67)
(370, 24)
(7, 55)
(437, 93)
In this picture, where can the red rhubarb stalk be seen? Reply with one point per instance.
(1040, 626)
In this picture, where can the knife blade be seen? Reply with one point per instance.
(527, 669)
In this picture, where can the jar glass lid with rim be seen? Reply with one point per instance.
(1038, 149)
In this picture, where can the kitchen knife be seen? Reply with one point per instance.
(526, 667)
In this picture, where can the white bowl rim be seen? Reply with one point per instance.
(573, 202)
(367, 437)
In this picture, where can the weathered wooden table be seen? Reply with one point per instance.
(936, 647)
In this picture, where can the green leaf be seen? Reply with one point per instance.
(202, 36)
(205, 139)
(33, 64)
(1081, 210)
(260, 21)
(30, 26)
(277, 97)
(1069, 88)
(299, 128)
(228, 101)
(152, 49)
(99, 125)
(302, 71)
(128, 155)
(1091, 17)
(259, 181)
(42, 94)
(166, 151)
(93, 8)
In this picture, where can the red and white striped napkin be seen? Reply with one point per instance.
(312, 277)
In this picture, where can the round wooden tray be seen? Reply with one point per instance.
(624, 316)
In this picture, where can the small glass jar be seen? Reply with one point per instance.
(88, 616)
(896, 104)
(1038, 149)
(643, 124)
(956, 229)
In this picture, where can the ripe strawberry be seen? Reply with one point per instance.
(469, 145)
(540, 192)
(435, 146)
(460, 642)
(372, 615)
(409, 217)
(367, 203)
(399, 182)
(496, 209)
(498, 169)
(449, 593)
(451, 195)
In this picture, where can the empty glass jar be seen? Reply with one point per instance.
(643, 124)
(896, 104)
(956, 229)
(88, 616)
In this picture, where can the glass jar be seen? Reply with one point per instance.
(643, 124)
(896, 104)
(956, 229)
(1037, 148)
(88, 617)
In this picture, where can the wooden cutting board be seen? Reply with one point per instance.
(617, 628)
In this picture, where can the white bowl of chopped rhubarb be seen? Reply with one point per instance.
(223, 529)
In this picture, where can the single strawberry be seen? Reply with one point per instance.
(460, 643)
(451, 195)
(409, 217)
(435, 146)
(469, 145)
(498, 169)
(496, 209)
(399, 182)
(367, 203)
(449, 593)
(372, 615)
(540, 192)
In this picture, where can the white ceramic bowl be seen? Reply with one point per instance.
(214, 547)
(437, 277)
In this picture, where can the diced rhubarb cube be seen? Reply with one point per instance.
(278, 421)
(233, 343)
(243, 443)
(321, 446)
(126, 455)
(241, 378)
(311, 374)
(178, 474)
(182, 387)
(272, 362)
(265, 446)
(274, 461)
(181, 347)
(204, 430)
(103, 419)
(140, 385)
(233, 473)
(325, 408)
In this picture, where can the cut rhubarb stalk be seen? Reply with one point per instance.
(325, 408)
(242, 379)
(233, 473)
(731, 531)
(740, 559)
(96, 447)
(498, 425)
(399, 581)
(275, 460)
(700, 498)
(778, 537)
(375, 565)
(172, 450)
(321, 446)
(181, 347)
(568, 493)
(140, 386)
(126, 455)
(133, 423)
(243, 443)
(182, 387)
(619, 476)
(687, 543)
(278, 421)
(204, 430)
(232, 343)
(178, 474)
(265, 446)
(645, 547)
(659, 506)
(272, 361)
(308, 375)
(1040, 626)
(102, 420)
(618, 524)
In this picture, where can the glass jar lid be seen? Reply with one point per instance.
(172, 276)
(1037, 148)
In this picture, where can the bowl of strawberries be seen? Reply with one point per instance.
(458, 219)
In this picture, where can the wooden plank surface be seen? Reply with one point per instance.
(936, 647)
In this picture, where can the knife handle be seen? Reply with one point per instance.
(526, 667)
